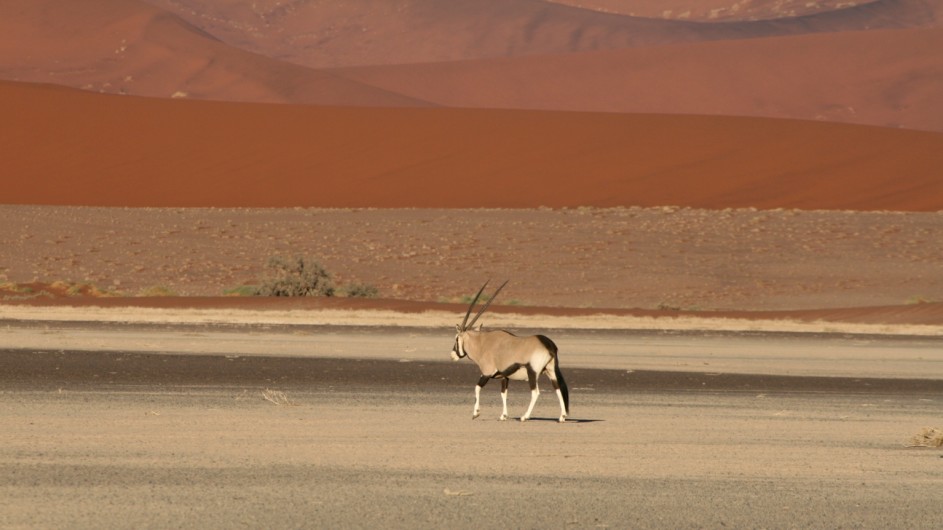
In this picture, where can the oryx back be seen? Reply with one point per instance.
(496, 351)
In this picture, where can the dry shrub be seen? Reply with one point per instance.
(61, 285)
(296, 277)
(85, 289)
(928, 437)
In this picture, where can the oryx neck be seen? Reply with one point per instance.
(468, 342)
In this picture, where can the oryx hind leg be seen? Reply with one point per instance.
(534, 392)
(551, 372)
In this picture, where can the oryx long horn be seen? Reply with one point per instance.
(470, 306)
(488, 303)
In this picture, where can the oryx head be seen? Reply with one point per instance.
(458, 349)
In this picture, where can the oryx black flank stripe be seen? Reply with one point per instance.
(507, 372)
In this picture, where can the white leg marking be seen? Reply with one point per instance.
(504, 403)
(562, 406)
(533, 399)
(477, 411)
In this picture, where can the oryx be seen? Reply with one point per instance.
(503, 355)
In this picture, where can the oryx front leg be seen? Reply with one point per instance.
(504, 399)
(534, 392)
(482, 381)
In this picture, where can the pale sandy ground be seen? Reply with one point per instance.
(220, 457)
(97, 436)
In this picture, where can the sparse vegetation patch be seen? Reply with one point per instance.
(360, 290)
(242, 290)
(300, 276)
(58, 289)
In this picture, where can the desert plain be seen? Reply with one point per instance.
(727, 215)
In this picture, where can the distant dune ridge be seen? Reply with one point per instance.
(370, 32)
(129, 47)
(865, 62)
(701, 11)
(890, 78)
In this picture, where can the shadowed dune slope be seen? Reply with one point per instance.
(890, 78)
(129, 47)
(66, 146)
(746, 10)
(497, 54)
(370, 32)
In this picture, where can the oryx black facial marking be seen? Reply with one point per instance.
(503, 355)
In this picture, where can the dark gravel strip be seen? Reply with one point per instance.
(77, 370)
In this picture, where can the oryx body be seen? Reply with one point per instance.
(505, 356)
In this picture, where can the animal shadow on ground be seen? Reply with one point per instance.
(555, 420)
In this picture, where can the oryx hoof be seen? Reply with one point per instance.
(504, 417)
(562, 419)
(475, 415)
(524, 418)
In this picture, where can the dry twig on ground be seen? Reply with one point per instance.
(928, 437)
(277, 397)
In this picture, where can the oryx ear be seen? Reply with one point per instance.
(480, 326)
(458, 328)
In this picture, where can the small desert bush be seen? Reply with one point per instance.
(296, 277)
(916, 299)
(15, 287)
(467, 298)
(301, 277)
(242, 290)
(361, 290)
(157, 290)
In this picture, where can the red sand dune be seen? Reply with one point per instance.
(128, 47)
(64, 146)
(890, 78)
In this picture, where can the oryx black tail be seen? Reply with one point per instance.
(564, 391)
